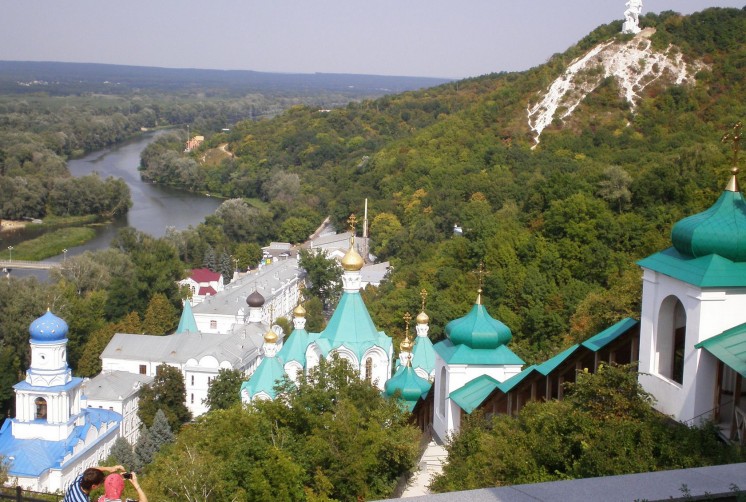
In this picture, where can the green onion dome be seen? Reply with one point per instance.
(411, 386)
(478, 330)
(719, 230)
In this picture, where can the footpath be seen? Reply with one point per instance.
(430, 464)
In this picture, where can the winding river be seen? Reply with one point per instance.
(154, 207)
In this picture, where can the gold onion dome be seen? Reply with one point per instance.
(406, 345)
(422, 318)
(299, 311)
(352, 261)
(270, 336)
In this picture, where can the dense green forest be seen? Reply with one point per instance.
(558, 227)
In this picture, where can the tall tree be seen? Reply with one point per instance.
(123, 454)
(167, 393)
(160, 432)
(144, 449)
(224, 389)
(323, 276)
(160, 316)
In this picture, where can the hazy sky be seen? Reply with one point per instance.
(438, 38)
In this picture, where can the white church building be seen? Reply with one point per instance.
(53, 437)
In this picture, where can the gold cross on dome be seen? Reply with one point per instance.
(735, 138)
(480, 272)
(352, 221)
(423, 295)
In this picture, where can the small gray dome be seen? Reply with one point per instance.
(255, 299)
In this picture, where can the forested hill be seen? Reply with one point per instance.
(558, 227)
(73, 78)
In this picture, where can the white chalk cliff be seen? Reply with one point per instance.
(634, 64)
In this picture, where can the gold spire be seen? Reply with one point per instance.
(735, 138)
(352, 261)
(406, 344)
(422, 317)
(299, 311)
(480, 272)
(270, 336)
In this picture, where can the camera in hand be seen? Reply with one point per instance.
(127, 475)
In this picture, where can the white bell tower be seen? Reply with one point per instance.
(48, 400)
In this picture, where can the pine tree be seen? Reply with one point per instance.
(209, 260)
(226, 267)
(145, 450)
(160, 431)
(123, 454)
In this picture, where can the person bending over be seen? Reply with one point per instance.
(80, 489)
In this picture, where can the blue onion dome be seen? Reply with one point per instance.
(719, 230)
(48, 329)
(477, 329)
(255, 299)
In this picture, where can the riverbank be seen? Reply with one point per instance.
(52, 243)
(11, 225)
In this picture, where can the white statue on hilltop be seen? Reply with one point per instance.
(632, 16)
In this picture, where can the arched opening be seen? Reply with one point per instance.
(442, 392)
(41, 408)
(369, 369)
(671, 339)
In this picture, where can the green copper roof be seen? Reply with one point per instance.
(294, 349)
(720, 230)
(423, 354)
(602, 339)
(269, 373)
(706, 272)
(471, 395)
(478, 330)
(410, 385)
(474, 393)
(463, 354)
(729, 347)
(352, 327)
(187, 324)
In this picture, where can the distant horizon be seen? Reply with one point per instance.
(226, 70)
(418, 38)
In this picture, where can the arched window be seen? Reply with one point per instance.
(671, 339)
(41, 408)
(369, 369)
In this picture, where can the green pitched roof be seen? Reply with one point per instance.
(423, 354)
(474, 393)
(729, 347)
(410, 385)
(602, 339)
(187, 323)
(480, 388)
(463, 354)
(706, 271)
(264, 379)
(719, 230)
(294, 349)
(352, 327)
